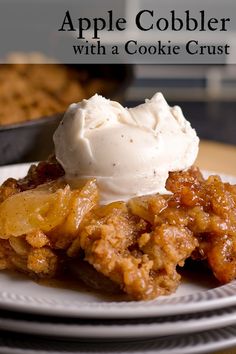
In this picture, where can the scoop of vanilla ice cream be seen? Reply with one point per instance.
(129, 151)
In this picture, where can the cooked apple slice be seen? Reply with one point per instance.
(33, 210)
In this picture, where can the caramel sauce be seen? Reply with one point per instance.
(80, 287)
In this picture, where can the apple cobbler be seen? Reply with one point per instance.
(48, 229)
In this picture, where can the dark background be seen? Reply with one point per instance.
(206, 94)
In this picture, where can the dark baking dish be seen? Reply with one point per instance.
(32, 140)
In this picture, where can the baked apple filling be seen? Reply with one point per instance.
(133, 246)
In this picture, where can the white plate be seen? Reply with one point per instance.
(204, 342)
(118, 329)
(21, 294)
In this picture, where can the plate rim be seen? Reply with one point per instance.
(172, 325)
(122, 310)
(199, 342)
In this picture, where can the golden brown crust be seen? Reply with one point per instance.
(140, 258)
(209, 211)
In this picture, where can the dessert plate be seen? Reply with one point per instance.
(204, 342)
(22, 294)
(83, 330)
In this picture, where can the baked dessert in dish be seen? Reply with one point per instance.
(120, 205)
(29, 92)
